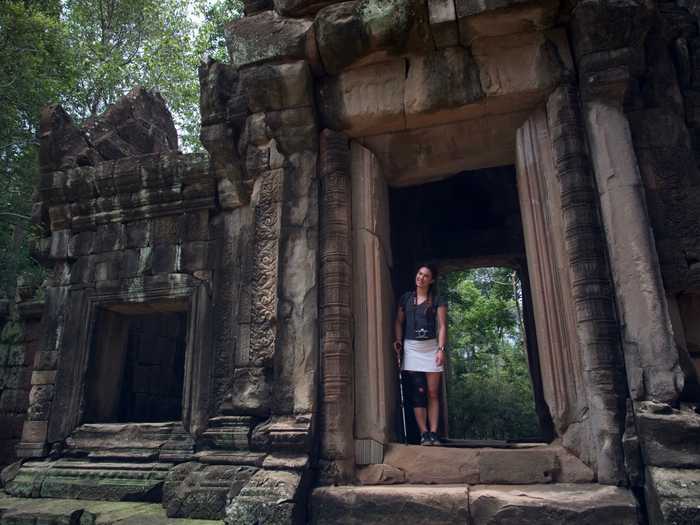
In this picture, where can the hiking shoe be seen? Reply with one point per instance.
(425, 439)
(434, 439)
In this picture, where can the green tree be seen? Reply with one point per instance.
(214, 14)
(489, 388)
(153, 43)
(36, 65)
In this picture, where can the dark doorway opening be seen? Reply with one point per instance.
(467, 221)
(136, 367)
(685, 315)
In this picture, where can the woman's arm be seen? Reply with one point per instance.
(398, 327)
(442, 335)
(398, 332)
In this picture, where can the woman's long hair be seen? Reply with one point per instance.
(433, 286)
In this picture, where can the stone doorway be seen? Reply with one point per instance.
(136, 365)
(468, 220)
(389, 240)
(526, 218)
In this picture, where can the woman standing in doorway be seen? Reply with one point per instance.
(421, 331)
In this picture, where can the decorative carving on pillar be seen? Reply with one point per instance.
(608, 68)
(596, 321)
(552, 298)
(263, 330)
(336, 308)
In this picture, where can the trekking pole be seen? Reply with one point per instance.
(403, 405)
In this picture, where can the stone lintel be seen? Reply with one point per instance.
(408, 160)
(496, 76)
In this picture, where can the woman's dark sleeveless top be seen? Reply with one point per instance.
(421, 319)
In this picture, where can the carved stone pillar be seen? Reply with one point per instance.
(653, 370)
(336, 309)
(592, 290)
(373, 308)
(607, 68)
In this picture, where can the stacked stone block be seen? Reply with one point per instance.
(261, 132)
(20, 379)
(427, 88)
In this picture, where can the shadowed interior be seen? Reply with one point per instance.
(136, 367)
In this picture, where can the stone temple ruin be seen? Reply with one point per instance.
(215, 332)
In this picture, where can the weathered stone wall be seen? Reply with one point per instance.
(665, 131)
(259, 125)
(403, 78)
(665, 127)
(637, 86)
(425, 89)
(128, 231)
(19, 340)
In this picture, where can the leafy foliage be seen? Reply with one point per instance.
(153, 43)
(85, 54)
(35, 67)
(488, 383)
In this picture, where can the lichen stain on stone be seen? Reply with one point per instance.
(383, 18)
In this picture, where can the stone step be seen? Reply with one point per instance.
(28, 511)
(557, 504)
(77, 479)
(522, 464)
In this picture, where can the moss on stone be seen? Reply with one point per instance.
(11, 333)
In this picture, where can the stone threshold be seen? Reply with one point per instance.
(520, 464)
(489, 443)
(18, 511)
(570, 504)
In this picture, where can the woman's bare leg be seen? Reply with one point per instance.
(433, 399)
(421, 418)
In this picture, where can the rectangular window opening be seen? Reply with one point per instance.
(136, 366)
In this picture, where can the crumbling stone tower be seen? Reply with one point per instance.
(250, 292)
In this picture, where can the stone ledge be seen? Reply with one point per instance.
(478, 505)
(55, 511)
(673, 495)
(75, 479)
(564, 503)
(538, 464)
(435, 505)
(670, 438)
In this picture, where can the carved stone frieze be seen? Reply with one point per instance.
(263, 330)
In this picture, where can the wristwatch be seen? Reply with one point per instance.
(441, 348)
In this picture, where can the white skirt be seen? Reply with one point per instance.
(419, 355)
